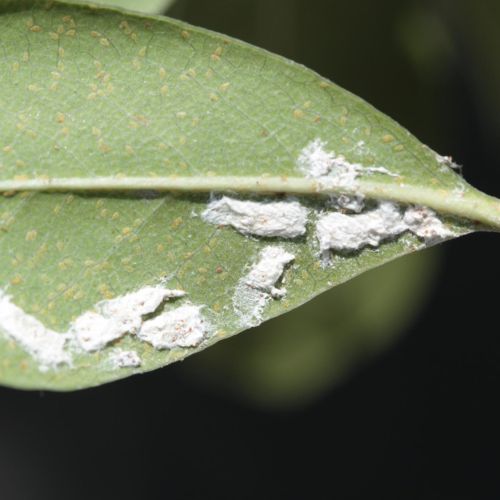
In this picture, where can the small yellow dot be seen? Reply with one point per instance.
(31, 235)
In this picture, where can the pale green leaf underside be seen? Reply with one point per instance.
(87, 92)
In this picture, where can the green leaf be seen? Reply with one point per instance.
(117, 127)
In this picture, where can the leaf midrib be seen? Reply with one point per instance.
(470, 204)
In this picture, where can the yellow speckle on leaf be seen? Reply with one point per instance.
(36, 29)
(124, 25)
(216, 55)
(60, 52)
(185, 34)
(298, 113)
(388, 138)
(129, 150)
(104, 42)
(70, 33)
(31, 235)
(65, 264)
(103, 147)
(162, 73)
(26, 56)
(164, 90)
(8, 149)
(60, 118)
(70, 293)
(54, 36)
(142, 51)
(16, 280)
(33, 87)
(176, 223)
(105, 291)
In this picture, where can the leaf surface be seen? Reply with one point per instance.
(98, 95)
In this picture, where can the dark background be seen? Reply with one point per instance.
(419, 421)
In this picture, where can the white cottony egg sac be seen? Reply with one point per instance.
(257, 288)
(117, 317)
(44, 345)
(125, 359)
(347, 233)
(331, 169)
(92, 331)
(425, 223)
(341, 232)
(179, 327)
(284, 219)
(268, 270)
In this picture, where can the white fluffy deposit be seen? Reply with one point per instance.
(45, 346)
(258, 287)
(125, 359)
(180, 326)
(347, 233)
(115, 318)
(284, 219)
(317, 163)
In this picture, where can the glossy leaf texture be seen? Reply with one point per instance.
(88, 92)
